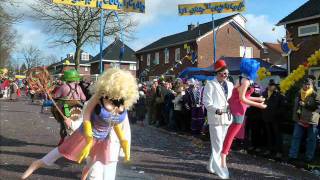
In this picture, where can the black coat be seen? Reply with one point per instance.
(254, 113)
(274, 106)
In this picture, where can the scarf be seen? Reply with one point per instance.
(269, 94)
(304, 94)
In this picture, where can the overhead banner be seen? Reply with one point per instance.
(211, 8)
(117, 5)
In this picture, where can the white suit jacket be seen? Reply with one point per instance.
(213, 99)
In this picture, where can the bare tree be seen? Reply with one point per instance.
(7, 37)
(77, 25)
(23, 68)
(32, 56)
(51, 59)
(7, 18)
(7, 33)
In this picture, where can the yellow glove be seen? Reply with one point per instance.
(123, 142)
(87, 131)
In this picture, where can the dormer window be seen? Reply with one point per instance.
(85, 56)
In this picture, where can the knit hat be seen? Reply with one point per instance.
(308, 81)
(219, 65)
(272, 82)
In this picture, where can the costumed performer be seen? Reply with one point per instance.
(114, 92)
(240, 100)
(69, 98)
(100, 171)
(217, 92)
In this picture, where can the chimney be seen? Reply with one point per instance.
(191, 27)
(70, 55)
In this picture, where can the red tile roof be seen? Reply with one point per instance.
(274, 46)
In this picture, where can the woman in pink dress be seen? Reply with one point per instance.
(114, 92)
(238, 103)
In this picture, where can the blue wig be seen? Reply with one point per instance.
(249, 67)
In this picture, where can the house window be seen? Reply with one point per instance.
(141, 58)
(265, 51)
(308, 30)
(115, 65)
(246, 52)
(177, 55)
(84, 56)
(86, 69)
(156, 58)
(166, 56)
(132, 67)
(148, 59)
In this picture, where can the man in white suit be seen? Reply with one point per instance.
(216, 95)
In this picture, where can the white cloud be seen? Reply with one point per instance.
(263, 29)
(30, 35)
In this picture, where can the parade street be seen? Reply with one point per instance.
(27, 134)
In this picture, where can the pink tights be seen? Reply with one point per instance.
(232, 132)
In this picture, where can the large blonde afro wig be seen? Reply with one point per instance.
(117, 84)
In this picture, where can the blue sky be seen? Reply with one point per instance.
(161, 19)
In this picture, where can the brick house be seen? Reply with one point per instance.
(232, 40)
(56, 69)
(303, 26)
(272, 53)
(111, 58)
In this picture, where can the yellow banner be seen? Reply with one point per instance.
(117, 5)
(211, 8)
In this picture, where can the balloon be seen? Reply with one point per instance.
(299, 73)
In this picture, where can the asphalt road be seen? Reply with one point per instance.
(26, 135)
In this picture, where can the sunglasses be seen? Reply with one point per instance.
(225, 74)
(115, 102)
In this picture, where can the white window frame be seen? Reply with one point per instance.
(132, 67)
(307, 26)
(86, 69)
(166, 55)
(85, 57)
(148, 59)
(177, 55)
(156, 58)
(115, 65)
(242, 48)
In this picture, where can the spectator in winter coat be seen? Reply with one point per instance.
(140, 108)
(271, 118)
(307, 119)
(178, 110)
(13, 90)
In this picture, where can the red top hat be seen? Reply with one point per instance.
(219, 65)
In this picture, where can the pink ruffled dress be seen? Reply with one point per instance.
(102, 122)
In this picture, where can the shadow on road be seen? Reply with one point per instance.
(57, 173)
(4, 141)
(15, 111)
